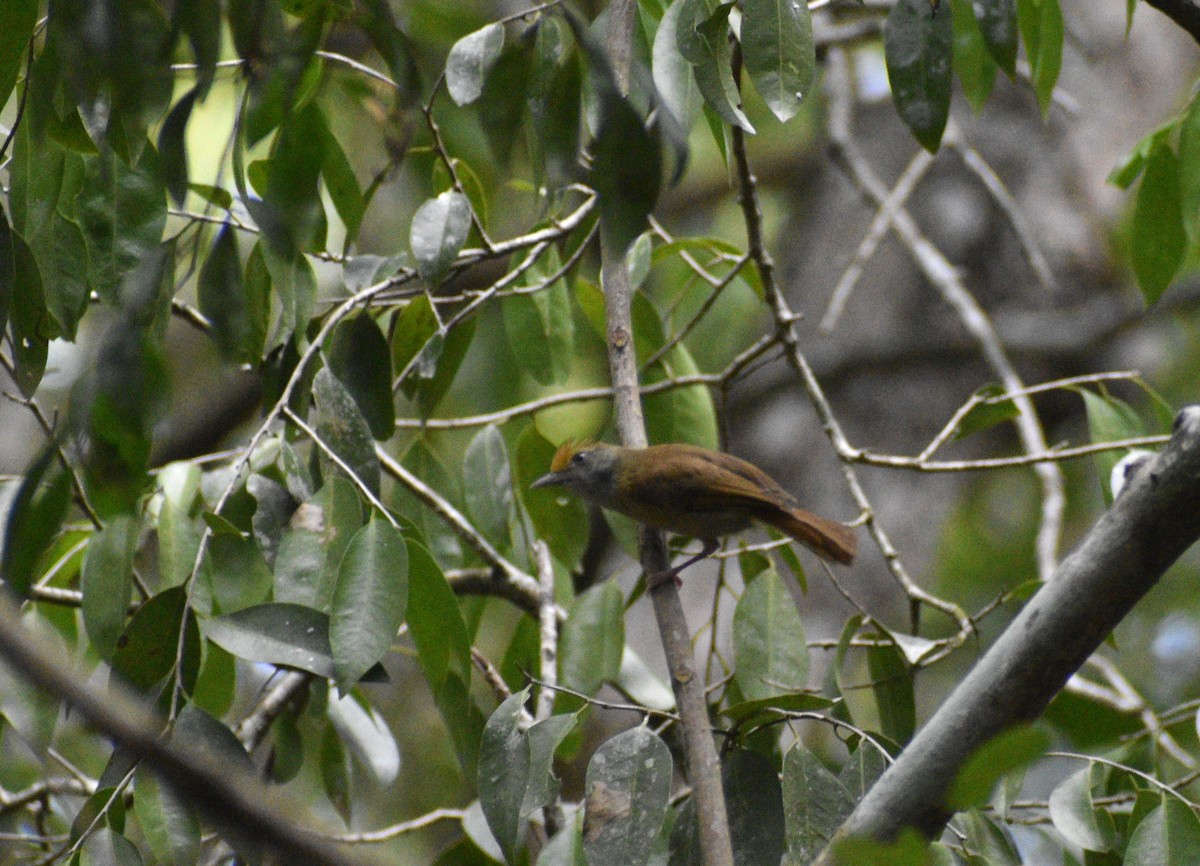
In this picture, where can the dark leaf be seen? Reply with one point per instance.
(34, 519)
(107, 582)
(148, 649)
(781, 59)
(314, 542)
(172, 146)
(344, 430)
(278, 633)
(998, 25)
(504, 773)
(918, 43)
(359, 357)
(238, 322)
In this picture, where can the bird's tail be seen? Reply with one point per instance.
(828, 539)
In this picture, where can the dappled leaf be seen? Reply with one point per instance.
(592, 639)
(768, 636)
(439, 230)
(998, 25)
(343, 429)
(780, 56)
(627, 786)
(312, 546)
(359, 357)
(470, 60)
(814, 804)
(504, 772)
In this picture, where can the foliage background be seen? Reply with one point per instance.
(163, 356)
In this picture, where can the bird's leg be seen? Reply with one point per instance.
(658, 578)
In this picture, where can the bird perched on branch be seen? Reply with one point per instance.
(691, 491)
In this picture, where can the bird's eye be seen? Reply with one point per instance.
(579, 458)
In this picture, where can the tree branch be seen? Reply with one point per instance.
(1148, 527)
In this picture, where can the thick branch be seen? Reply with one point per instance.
(239, 806)
(1149, 526)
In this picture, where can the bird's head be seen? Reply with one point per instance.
(586, 468)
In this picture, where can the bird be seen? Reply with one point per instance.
(692, 491)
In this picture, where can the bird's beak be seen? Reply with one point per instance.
(551, 479)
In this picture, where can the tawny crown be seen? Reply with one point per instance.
(568, 450)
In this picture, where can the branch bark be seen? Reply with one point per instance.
(1149, 526)
(240, 807)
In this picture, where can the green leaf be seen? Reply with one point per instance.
(561, 521)
(770, 649)
(437, 234)
(702, 33)
(747, 714)
(555, 100)
(342, 186)
(863, 769)
(238, 328)
(1169, 834)
(504, 773)
(628, 784)
(34, 519)
(359, 357)
(505, 94)
(216, 684)
(1077, 817)
(1130, 168)
(108, 583)
(171, 828)
(781, 59)
(998, 25)
(673, 77)
(1109, 420)
(291, 190)
(147, 650)
(541, 326)
(172, 146)
(1189, 169)
(1003, 754)
(487, 482)
(544, 737)
(985, 414)
(470, 60)
(975, 66)
(276, 633)
(814, 804)
(918, 43)
(892, 684)
(104, 847)
(908, 850)
(368, 601)
(316, 538)
(29, 320)
(335, 773)
(592, 639)
(1041, 25)
(754, 800)
(20, 16)
(122, 210)
(432, 531)
(344, 430)
(295, 285)
(1158, 239)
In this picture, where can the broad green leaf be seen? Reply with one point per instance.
(358, 355)
(541, 326)
(238, 323)
(975, 66)
(892, 685)
(1158, 239)
(470, 60)
(754, 801)
(20, 16)
(592, 639)
(344, 430)
(998, 26)
(559, 520)
(216, 684)
(1041, 25)
(504, 773)
(702, 33)
(105, 847)
(627, 787)
(311, 548)
(918, 43)
(168, 822)
(34, 519)
(335, 773)
(437, 234)
(295, 285)
(780, 56)
(770, 649)
(433, 353)
(238, 571)
(148, 648)
(1169, 834)
(291, 190)
(673, 76)
(1077, 817)
(1109, 420)
(342, 186)
(544, 737)
(487, 483)
(505, 95)
(749, 714)
(862, 770)
(555, 101)
(433, 532)
(276, 633)
(368, 601)
(908, 850)
(29, 319)
(1002, 754)
(814, 804)
(122, 211)
(1189, 169)
(108, 583)
(58, 249)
